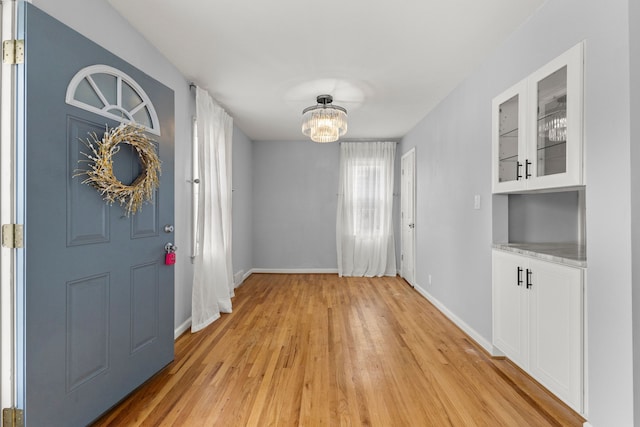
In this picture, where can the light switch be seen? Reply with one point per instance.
(476, 201)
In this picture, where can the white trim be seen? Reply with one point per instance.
(296, 270)
(8, 396)
(243, 278)
(587, 424)
(182, 328)
(473, 334)
(238, 277)
(121, 77)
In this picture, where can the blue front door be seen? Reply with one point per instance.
(96, 300)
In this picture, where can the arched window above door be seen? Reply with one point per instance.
(111, 93)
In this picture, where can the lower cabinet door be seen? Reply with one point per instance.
(510, 312)
(555, 329)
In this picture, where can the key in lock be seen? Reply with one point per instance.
(170, 256)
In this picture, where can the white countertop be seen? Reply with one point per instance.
(570, 254)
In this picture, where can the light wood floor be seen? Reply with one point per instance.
(314, 350)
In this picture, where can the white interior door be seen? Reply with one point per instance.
(408, 214)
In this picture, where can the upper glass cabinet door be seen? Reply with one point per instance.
(509, 115)
(551, 146)
(555, 150)
(508, 140)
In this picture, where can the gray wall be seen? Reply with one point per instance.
(453, 241)
(242, 203)
(454, 162)
(294, 205)
(544, 217)
(295, 188)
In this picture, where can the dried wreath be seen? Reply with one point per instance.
(100, 172)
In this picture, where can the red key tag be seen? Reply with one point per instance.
(170, 258)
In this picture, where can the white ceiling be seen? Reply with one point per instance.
(388, 63)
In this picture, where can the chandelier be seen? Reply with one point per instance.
(324, 122)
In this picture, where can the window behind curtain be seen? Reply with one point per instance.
(368, 198)
(364, 228)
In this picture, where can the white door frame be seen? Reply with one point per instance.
(7, 211)
(403, 195)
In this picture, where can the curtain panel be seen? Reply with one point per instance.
(213, 277)
(364, 228)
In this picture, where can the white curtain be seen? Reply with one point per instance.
(213, 277)
(364, 229)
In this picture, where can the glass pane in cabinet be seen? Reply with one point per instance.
(552, 124)
(508, 140)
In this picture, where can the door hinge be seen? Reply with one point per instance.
(12, 417)
(13, 51)
(12, 235)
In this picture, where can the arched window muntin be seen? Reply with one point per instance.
(111, 93)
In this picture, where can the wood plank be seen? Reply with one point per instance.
(322, 350)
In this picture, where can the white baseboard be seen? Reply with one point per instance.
(247, 274)
(296, 270)
(182, 328)
(238, 277)
(455, 319)
(586, 424)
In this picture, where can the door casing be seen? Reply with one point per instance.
(7, 212)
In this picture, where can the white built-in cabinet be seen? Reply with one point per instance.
(538, 321)
(537, 128)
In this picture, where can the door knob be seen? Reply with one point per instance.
(170, 248)
(168, 228)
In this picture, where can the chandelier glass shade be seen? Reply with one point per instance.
(552, 122)
(324, 122)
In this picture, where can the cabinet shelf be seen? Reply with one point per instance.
(554, 144)
(551, 113)
(513, 133)
(509, 159)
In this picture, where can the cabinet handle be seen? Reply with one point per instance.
(518, 166)
(527, 175)
(529, 284)
(519, 276)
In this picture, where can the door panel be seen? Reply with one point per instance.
(98, 299)
(144, 305)
(87, 215)
(87, 329)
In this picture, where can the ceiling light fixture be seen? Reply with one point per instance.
(324, 122)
